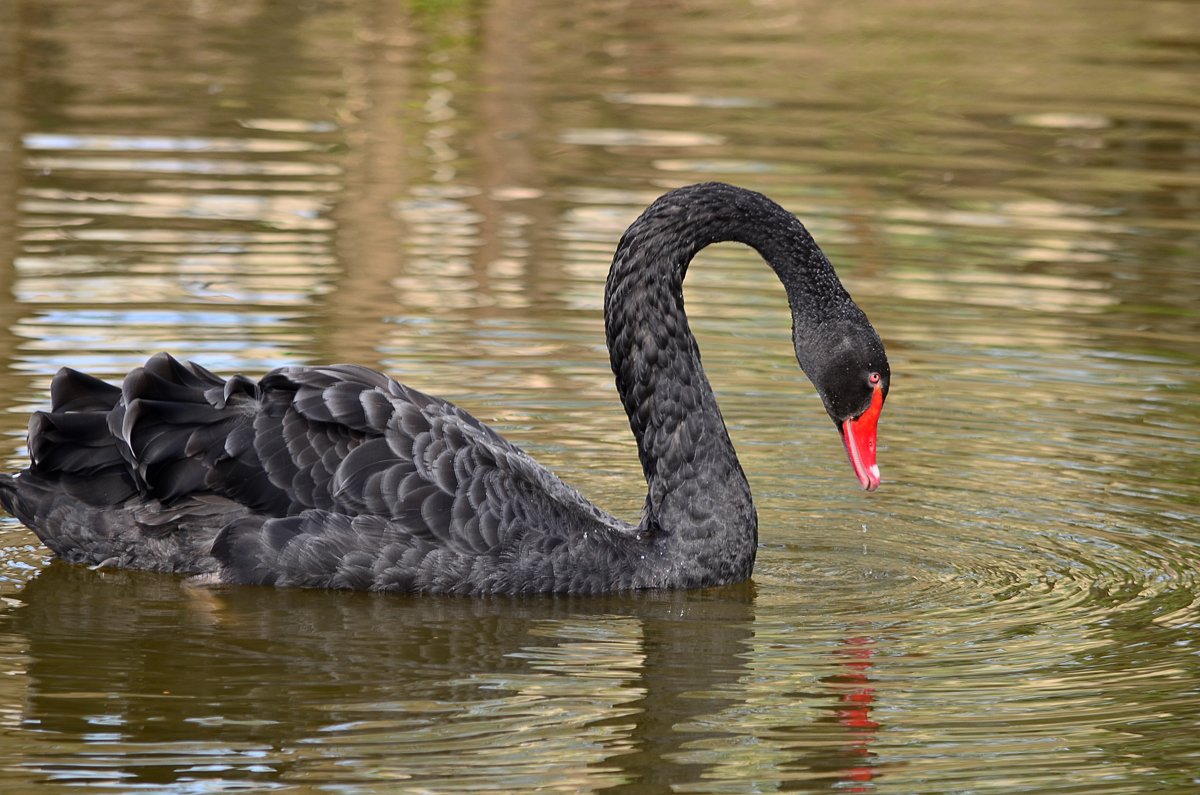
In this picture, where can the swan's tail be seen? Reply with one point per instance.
(141, 447)
(75, 460)
(9, 497)
(157, 435)
(27, 502)
(71, 444)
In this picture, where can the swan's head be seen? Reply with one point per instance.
(847, 364)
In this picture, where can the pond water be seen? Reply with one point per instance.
(1011, 191)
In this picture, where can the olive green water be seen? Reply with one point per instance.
(1012, 192)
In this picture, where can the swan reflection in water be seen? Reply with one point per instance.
(274, 686)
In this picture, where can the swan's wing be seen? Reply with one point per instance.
(427, 499)
(343, 439)
(322, 458)
(510, 535)
(321, 549)
(412, 458)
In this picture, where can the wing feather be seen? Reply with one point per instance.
(349, 478)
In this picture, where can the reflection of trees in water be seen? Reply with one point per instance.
(11, 129)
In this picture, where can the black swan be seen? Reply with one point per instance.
(340, 477)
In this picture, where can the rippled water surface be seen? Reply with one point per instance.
(1011, 190)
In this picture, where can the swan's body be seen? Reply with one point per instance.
(339, 477)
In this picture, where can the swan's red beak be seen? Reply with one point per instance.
(859, 437)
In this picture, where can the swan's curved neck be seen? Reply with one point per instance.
(697, 490)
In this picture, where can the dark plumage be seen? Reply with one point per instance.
(340, 477)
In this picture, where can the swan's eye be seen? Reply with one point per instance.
(873, 378)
